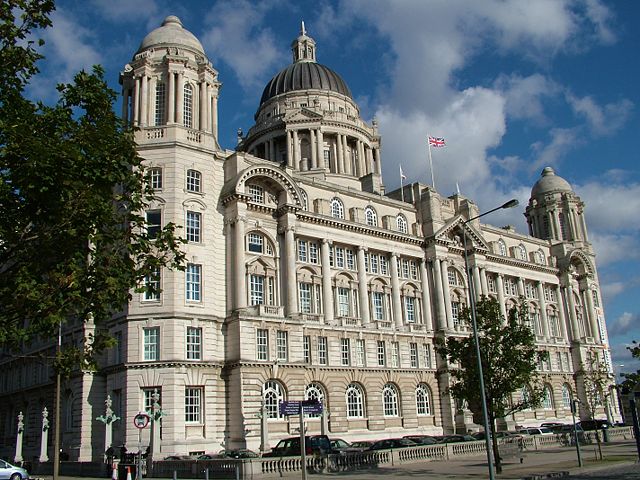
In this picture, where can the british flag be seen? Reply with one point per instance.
(436, 142)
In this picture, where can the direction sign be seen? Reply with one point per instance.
(141, 420)
(313, 407)
(293, 407)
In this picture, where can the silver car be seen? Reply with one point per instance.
(8, 471)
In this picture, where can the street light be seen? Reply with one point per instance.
(472, 303)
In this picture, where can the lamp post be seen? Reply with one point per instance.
(472, 304)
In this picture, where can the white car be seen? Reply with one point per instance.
(536, 431)
(11, 472)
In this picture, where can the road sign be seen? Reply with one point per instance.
(313, 407)
(289, 408)
(292, 407)
(141, 420)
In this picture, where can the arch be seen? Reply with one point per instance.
(337, 208)
(316, 391)
(272, 394)
(502, 248)
(187, 107)
(547, 399)
(401, 224)
(370, 216)
(567, 395)
(355, 400)
(272, 177)
(579, 260)
(390, 400)
(423, 400)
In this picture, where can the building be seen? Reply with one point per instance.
(305, 279)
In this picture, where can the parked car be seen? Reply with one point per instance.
(389, 443)
(594, 424)
(9, 471)
(551, 425)
(179, 457)
(314, 445)
(361, 445)
(536, 431)
(456, 438)
(422, 439)
(238, 453)
(342, 446)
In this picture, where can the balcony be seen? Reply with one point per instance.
(348, 321)
(174, 133)
(269, 311)
(311, 317)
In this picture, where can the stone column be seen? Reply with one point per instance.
(136, 101)
(240, 269)
(264, 429)
(153, 86)
(296, 150)
(477, 287)
(591, 312)
(520, 287)
(144, 100)
(396, 299)
(171, 98)
(556, 224)
(561, 317)
(290, 148)
(327, 294)
(340, 152)
(483, 281)
(500, 288)
(441, 312)
(44, 439)
(180, 99)
(571, 305)
(361, 159)
(214, 115)
(543, 311)
(376, 155)
(320, 146)
(445, 293)
(202, 118)
(272, 150)
(363, 291)
(426, 300)
(314, 149)
(18, 457)
(290, 284)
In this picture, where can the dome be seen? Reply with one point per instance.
(304, 76)
(171, 33)
(550, 183)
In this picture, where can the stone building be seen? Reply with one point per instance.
(305, 280)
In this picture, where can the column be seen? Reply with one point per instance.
(396, 299)
(290, 262)
(368, 164)
(584, 228)
(240, 269)
(272, 150)
(556, 224)
(207, 107)
(44, 439)
(125, 105)
(144, 100)
(314, 150)
(445, 293)
(345, 166)
(296, 151)
(180, 99)
(483, 281)
(571, 304)
(202, 118)
(426, 300)
(477, 287)
(214, 115)
(153, 83)
(520, 287)
(441, 314)
(290, 148)
(376, 155)
(591, 312)
(18, 457)
(543, 311)
(340, 152)
(136, 101)
(320, 146)
(327, 294)
(500, 288)
(171, 99)
(361, 159)
(561, 317)
(363, 291)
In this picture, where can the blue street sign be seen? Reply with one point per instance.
(312, 407)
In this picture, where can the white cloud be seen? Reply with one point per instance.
(236, 36)
(611, 205)
(524, 95)
(612, 247)
(625, 323)
(550, 153)
(600, 16)
(602, 120)
(611, 289)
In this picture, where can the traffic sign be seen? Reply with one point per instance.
(141, 420)
(313, 407)
(292, 407)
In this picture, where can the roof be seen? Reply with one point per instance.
(171, 33)
(550, 183)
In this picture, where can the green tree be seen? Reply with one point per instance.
(509, 360)
(632, 380)
(597, 381)
(73, 192)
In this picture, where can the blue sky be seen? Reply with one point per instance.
(513, 86)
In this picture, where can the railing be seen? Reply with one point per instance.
(349, 321)
(311, 317)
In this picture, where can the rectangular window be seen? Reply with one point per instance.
(451, 276)
(304, 293)
(596, 300)
(366, 261)
(151, 343)
(343, 302)
(413, 354)
(405, 268)
(378, 305)
(360, 357)
(256, 286)
(153, 222)
(395, 354)
(193, 181)
(282, 346)
(455, 313)
(313, 253)
(302, 251)
(193, 405)
(256, 192)
(194, 343)
(340, 257)
(382, 356)
(322, 350)
(255, 242)
(152, 286)
(262, 344)
(414, 270)
(160, 103)
(374, 263)
(351, 265)
(155, 178)
(193, 226)
(427, 355)
(345, 351)
(193, 282)
(410, 309)
(331, 256)
(384, 265)
(147, 398)
(306, 348)
(491, 284)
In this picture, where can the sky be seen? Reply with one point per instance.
(512, 85)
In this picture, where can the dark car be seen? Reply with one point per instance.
(456, 438)
(551, 425)
(594, 424)
(314, 445)
(238, 453)
(422, 439)
(361, 445)
(389, 443)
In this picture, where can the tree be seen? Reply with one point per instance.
(73, 242)
(509, 360)
(596, 381)
(632, 380)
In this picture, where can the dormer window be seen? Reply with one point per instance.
(401, 224)
(337, 209)
(370, 217)
(256, 192)
(502, 248)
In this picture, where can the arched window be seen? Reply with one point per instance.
(502, 248)
(337, 208)
(370, 217)
(304, 199)
(272, 395)
(547, 400)
(401, 223)
(525, 395)
(390, 400)
(423, 400)
(187, 112)
(539, 256)
(355, 401)
(314, 391)
(566, 396)
(256, 193)
(160, 103)
(194, 181)
(522, 252)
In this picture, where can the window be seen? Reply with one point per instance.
(322, 350)
(370, 217)
(337, 209)
(423, 400)
(327, 158)
(491, 284)
(304, 297)
(502, 248)
(384, 265)
(360, 357)
(155, 178)
(304, 199)
(345, 351)
(343, 301)
(152, 286)
(413, 354)
(381, 353)
(355, 401)
(282, 346)
(410, 309)
(151, 343)
(456, 308)
(187, 112)
(539, 257)
(547, 400)
(314, 391)
(530, 290)
(193, 285)
(378, 305)
(351, 264)
(413, 267)
(405, 268)
(373, 263)
(302, 251)
(390, 400)
(262, 344)
(401, 224)
(147, 398)
(193, 405)
(339, 257)
(255, 242)
(510, 287)
(256, 192)
(272, 395)
(563, 229)
(395, 354)
(256, 287)
(194, 343)
(451, 276)
(313, 253)
(522, 252)
(427, 355)
(306, 348)
(160, 103)
(596, 299)
(193, 226)
(153, 222)
(566, 396)
(193, 181)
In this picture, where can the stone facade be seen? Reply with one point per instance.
(304, 279)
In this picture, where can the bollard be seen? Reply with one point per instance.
(237, 471)
(175, 475)
(206, 474)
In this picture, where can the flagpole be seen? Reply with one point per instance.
(433, 182)
(401, 184)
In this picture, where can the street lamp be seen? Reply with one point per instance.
(472, 304)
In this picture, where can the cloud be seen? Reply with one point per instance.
(126, 10)
(550, 153)
(613, 247)
(602, 120)
(236, 36)
(625, 323)
(610, 206)
(600, 17)
(524, 95)
(611, 289)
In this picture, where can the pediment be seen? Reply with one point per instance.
(301, 116)
(451, 234)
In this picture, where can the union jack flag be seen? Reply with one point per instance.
(436, 142)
